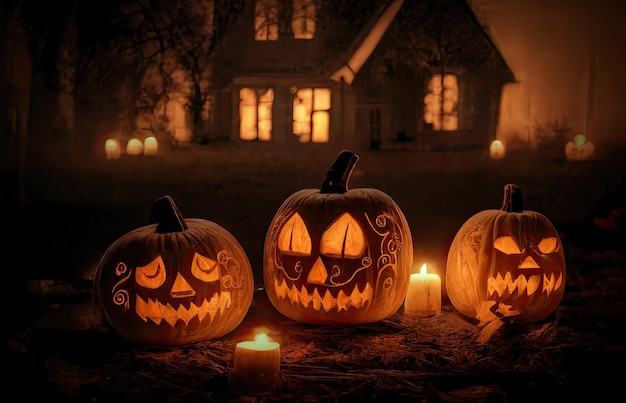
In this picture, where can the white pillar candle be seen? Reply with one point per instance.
(423, 298)
(260, 357)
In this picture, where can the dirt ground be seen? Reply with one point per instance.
(80, 203)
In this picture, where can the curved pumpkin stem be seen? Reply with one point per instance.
(167, 216)
(513, 201)
(339, 173)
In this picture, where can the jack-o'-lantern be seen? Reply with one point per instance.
(174, 281)
(579, 149)
(336, 255)
(506, 264)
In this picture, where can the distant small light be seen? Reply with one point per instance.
(150, 146)
(497, 150)
(134, 147)
(112, 149)
(580, 139)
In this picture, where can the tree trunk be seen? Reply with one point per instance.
(16, 82)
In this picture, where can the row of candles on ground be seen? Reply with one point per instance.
(134, 146)
(261, 357)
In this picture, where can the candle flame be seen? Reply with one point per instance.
(262, 337)
(423, 269)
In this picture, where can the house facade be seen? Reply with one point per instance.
(420, 75)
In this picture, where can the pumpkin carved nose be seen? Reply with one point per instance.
(529, 263)
(318, 273)
(181, 288)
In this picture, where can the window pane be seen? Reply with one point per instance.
(303, 19)
(266, 20)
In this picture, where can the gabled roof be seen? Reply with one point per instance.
(366, 41)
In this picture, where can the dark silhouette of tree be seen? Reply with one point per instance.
(154, 49)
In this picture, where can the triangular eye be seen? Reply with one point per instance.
(506, 244)
(294, 238)
(151, 275)
(548, 245)
(205, 269)
(343, 238)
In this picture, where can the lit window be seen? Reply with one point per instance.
(311, 114)
(266, 20)
(255, 113)
(303, 19)
(441, 101)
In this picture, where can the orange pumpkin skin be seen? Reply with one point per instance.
(174, 282)
(338, 256)
(508, 262)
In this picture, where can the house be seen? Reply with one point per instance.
(382, 74)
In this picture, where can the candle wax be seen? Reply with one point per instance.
(423, 297)
(257, 358)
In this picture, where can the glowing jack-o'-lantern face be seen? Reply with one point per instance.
(506, 262)
(336, 255)
(176, 282)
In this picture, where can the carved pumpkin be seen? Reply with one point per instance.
(506, 264)
(579, 149)
(174, 281)
(338, 256)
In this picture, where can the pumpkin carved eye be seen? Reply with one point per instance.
(548, 245)
(151, 275)
(205, 269)
(294, 238)
(506, 244)
(344, 238)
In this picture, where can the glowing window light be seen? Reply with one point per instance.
(441, 102)
(303, 19)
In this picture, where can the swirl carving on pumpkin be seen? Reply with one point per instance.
(121, 297)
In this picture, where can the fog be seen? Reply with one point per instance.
(568, 57)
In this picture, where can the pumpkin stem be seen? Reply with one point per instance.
(513, 202)
(339, 173)
(167, 216)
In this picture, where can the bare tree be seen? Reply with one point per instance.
(160, 48)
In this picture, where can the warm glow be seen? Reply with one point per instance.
(423, 296)
(311, 117)
(579, 139)
(303, 19)
(150, 146)
(255, 113)
(266, 20)
(134, 147)
(262, 337)
(579, 149)
(497, 150)
(440, 103)
(112, 149)
(257, 358)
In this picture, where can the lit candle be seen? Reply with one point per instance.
(112, 149)
(260, 357)
(150, 146)
(423, 298)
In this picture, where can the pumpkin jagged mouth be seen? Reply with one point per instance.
(157, 312)
(356, 299)
(524, 286)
